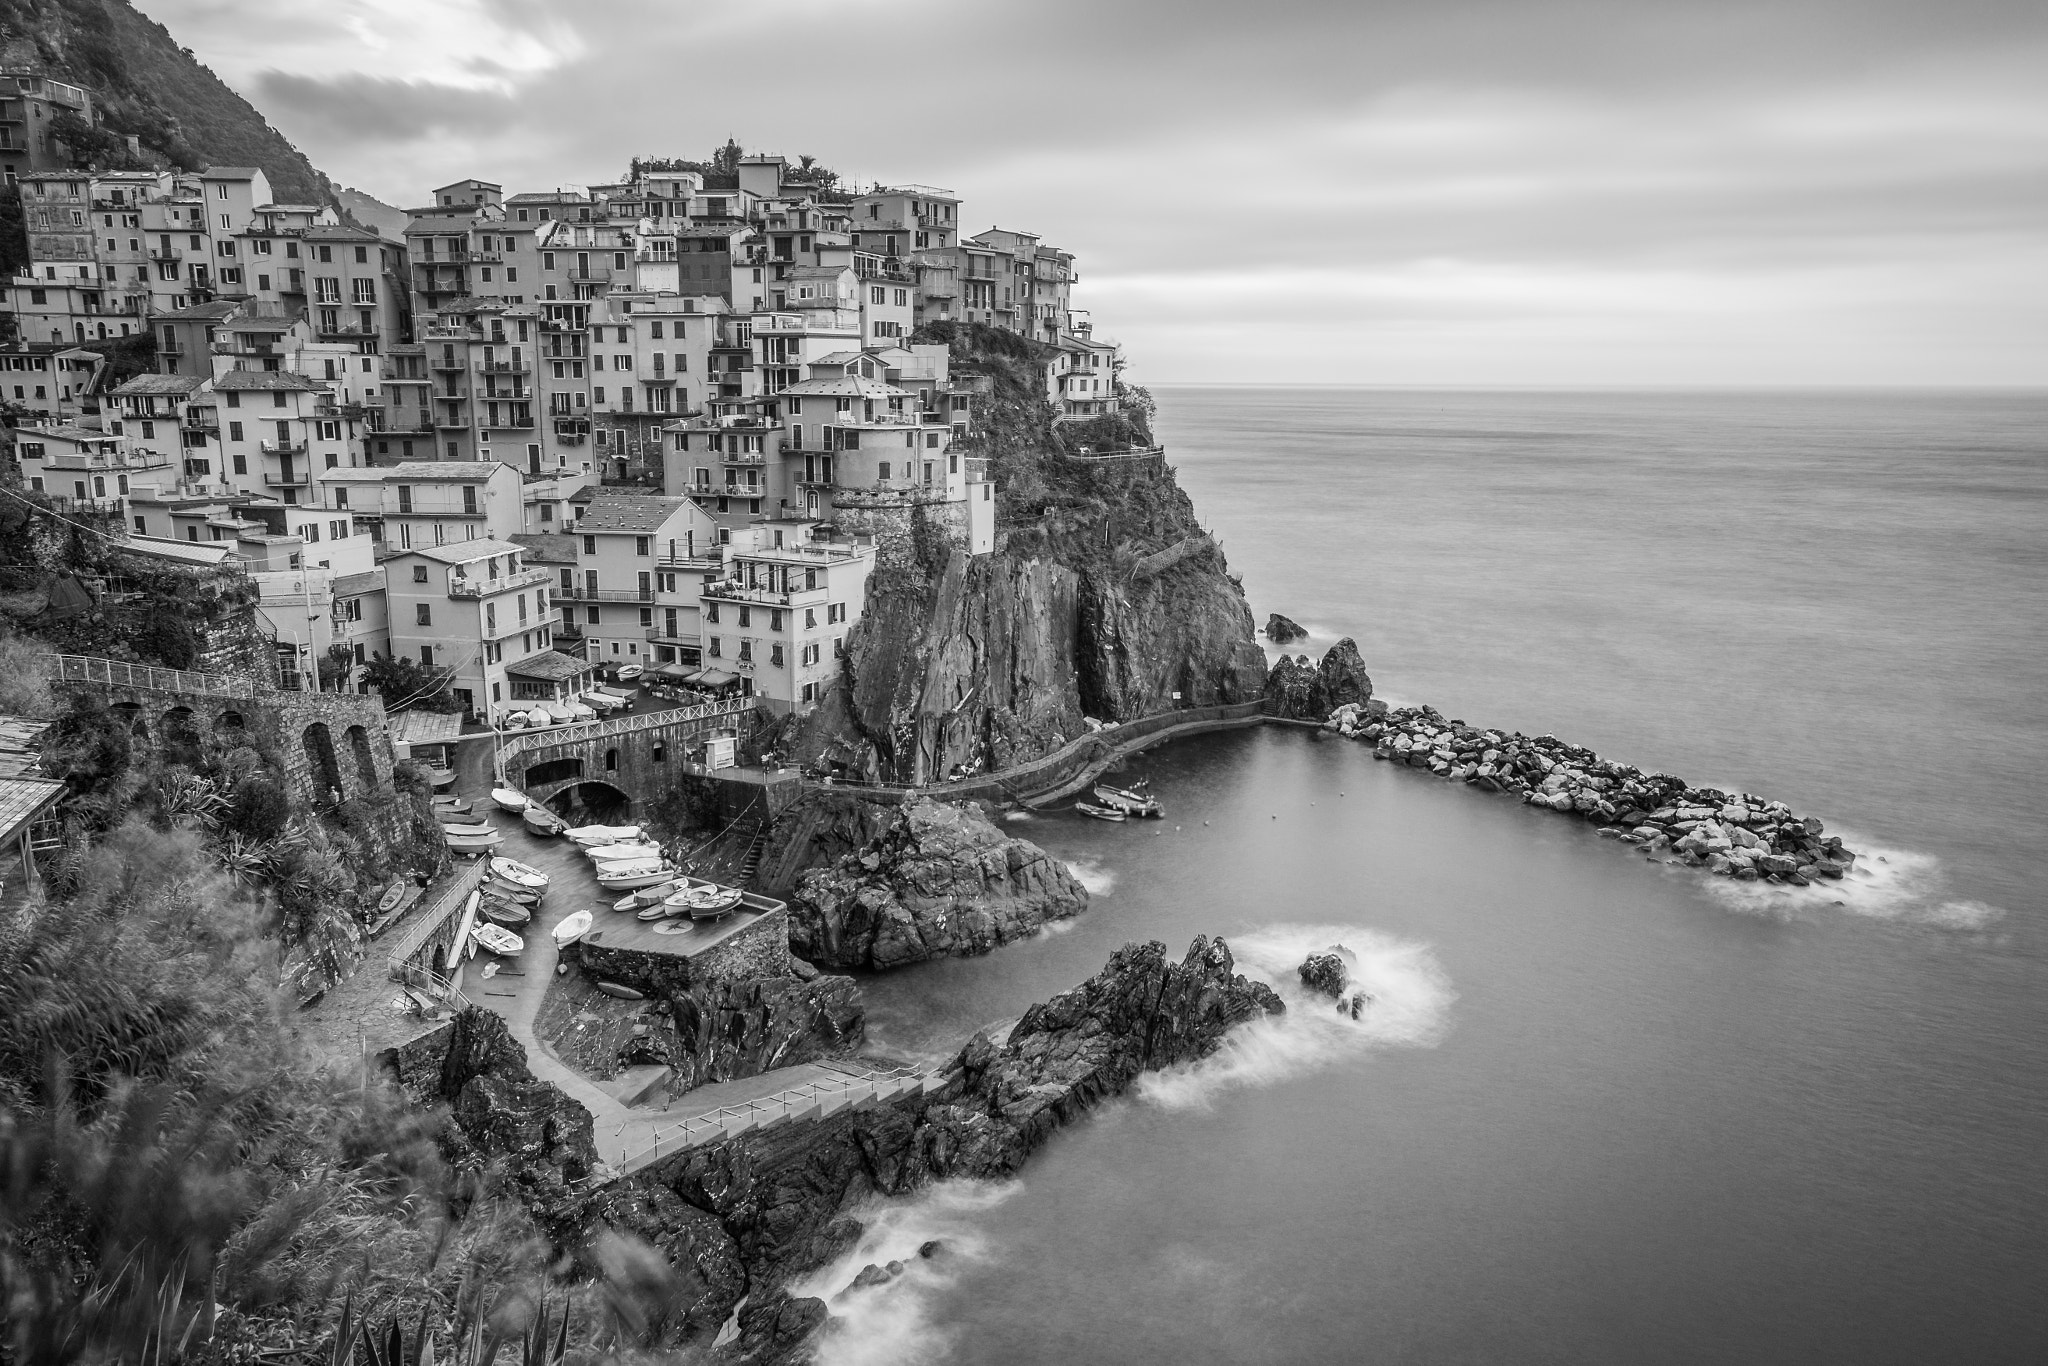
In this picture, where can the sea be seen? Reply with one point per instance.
(1601, 1109)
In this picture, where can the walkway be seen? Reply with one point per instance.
(630, 1137)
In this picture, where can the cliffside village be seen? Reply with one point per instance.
(664, 425)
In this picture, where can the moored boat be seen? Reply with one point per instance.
(467, 815)
(502, 911)
(592, 836)
(508, 799)
(1130, 801)
(452, 803)
(650, 896)
(571, 929)
(497, 939)
(1101, 813)
(511, 891)
(519, 874)
(626, 877)
(542, 821)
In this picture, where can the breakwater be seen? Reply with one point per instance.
(1731, 834)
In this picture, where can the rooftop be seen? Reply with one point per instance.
(238, 380)
(547, 547)
(464, 552)
(630, 512)
(159, 384)
(367, 581)
(444, 471)
(549, 666)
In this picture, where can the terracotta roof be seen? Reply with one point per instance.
(629, 512)
(444, 471)
(159, 384)
(548, 547)
(238, 380)
(350, 584)
(549, 666)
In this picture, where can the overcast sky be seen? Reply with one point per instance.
(1446, 192)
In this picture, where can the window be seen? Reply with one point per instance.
(590, 545)
(422, 614)
(714, 651)
(427, 655)
(642, 546)
(419, 573)
(711, 612)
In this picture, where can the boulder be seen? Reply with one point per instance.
(1280, 630)
(1325, 973)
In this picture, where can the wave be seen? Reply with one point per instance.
(1409, 1007)
(896, 1321)
(1098, 879)
(1885, 884)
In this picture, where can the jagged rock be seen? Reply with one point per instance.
(930, 1248)
(940, 880)
(1300, 691)
(1326, 973)
(1280, 630)
(743, 1029)
(775, 1330)
(692, 1241)
(1291, 690)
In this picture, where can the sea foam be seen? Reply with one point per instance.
(1099, 880)
(1410, 1006)
(1885, 884)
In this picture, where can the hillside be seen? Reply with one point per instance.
(145, 84)
(372, 212)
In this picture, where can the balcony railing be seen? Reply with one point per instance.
(580, 594)
(476, 588)
(296, 480)
(600, 275)
(282, 447)
(505, 367)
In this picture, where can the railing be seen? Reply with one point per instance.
(506, 367)
(448, 903)
(516, 743)
(476, 588)
(114, 674)
(580, 594)
(812, 1100)
(1144, 453)
(287, 481)
(282, 447)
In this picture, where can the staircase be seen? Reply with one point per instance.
(750, 862)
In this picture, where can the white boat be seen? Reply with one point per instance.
(542, 821)
(439, 776)
(650, 896)
(571, 929)
(511, 891)
(519, 874)
(621, 853)
(511, 720)
(475, 843)
(705, 901)
(590, 836)
(627, 672)
(634, 875)
(601, 702)
(508, 799)
(497, 939)
(451, 803)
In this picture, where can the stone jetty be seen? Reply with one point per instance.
(1732, 834)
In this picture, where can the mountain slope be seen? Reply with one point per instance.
(145, 84)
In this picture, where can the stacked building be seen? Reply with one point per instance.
(665, 426)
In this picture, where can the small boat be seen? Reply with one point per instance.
(503, 912)
(1101, 813)
(658, 911)
(497, 939)
(705, 901)
(465, 826)
(542, 821)
(591, 836)
(602, 702)
(571, 929)
(519, 874)
(509, 799)
(650, 896)
(393, 894)
(633, 875)
(475, 844)
(621, 853)
(448, 815)
(1130, 802)
(622, 993)
(511, 891)
(460, 805)
(440, 776)
(628, 672)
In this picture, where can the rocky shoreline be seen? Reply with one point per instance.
(1729, 834)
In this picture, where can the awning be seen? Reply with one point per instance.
(715, 678)
(679, 673)
(425, 727)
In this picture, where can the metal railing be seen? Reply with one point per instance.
(515, 743)
(804, 1102)
(446, 904)
(476, 588)
(114, 674)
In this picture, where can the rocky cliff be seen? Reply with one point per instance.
(1103, 598)
(1300, 690)
(936, 880)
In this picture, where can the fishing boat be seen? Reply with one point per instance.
(503, 912)
(452, 803)
(448, 815)
(1101, 813)
(519, 874)
(542, 821)
(393, 894)
(650, 896)
(511, 891)
(497, 939)
(440, 775)
(509, 799)
(625, 877)
(658, 911)
(1132, 801)
(705, 901)
(621, 853)
(474, 843)
(571, 929)
(467, 827)
(592, 836)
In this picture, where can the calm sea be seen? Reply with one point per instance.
(1602, 1110)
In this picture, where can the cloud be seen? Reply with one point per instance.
(380, 110)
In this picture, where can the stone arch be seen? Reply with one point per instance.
(594, 800)
(230, 720)
(178, 729)
(132, 718)
(552, 771)
(322, 771)
(365, 758)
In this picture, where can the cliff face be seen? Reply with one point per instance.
(1104, 597)
(145, 85)
(937, 881)
(1301, 690)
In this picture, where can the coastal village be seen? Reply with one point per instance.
(483, 603)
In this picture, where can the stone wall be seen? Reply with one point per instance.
(899, 523)
(756, 950)
(625, 762)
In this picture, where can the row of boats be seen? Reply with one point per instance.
(1123, 803)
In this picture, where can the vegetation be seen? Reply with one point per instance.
(407, 683)
(722, 168)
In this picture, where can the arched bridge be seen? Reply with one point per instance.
(637, 755)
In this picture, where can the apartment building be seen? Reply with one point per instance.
(639, 562)
(779, 615)
(471, 607)
(29, 100)
(48, 381)
(84, 466)
(429, 502)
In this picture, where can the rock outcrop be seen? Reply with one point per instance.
(1299, 690)
(1325, 973)
(939, 880)
(1280, 630)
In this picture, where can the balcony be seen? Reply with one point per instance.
(196, 421)
(282, 447)
(505, 367)
(163, 255)
(504, 583)
(518, 422)
(658, 378)
(600, 276)
(452, 421)
(447, 365)
(606, 595)
(296, 480)
(742, 458)
(369, 334)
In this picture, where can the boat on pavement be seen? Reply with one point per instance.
(650, 896)
(503, 911)
(440, 775)
(705, 901)
(509, 799)
(626, 877)
(620, 853)
(497, 939)
(453, 803)
(393, 894)
(571, 929)
(1101, 813)
(476, 842)
(542, 821)
(592, 836)
(519, 874)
